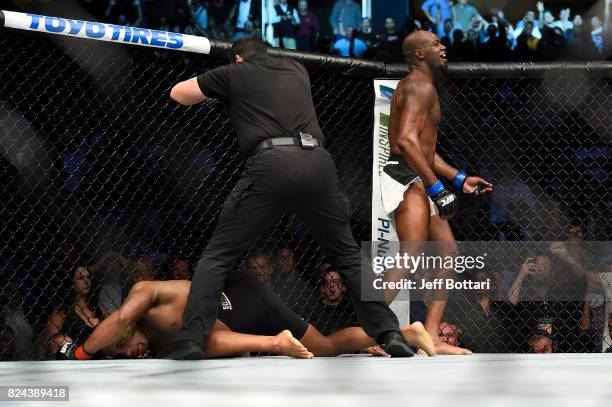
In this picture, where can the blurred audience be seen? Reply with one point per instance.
(285, 20)
(308, 31)
(350, 45)
(345, 13)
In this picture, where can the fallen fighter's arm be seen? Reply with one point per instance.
(110, 330)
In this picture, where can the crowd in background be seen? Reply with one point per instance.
(469, 33)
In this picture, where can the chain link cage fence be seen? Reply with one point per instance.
(105, 182)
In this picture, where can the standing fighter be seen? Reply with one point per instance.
(270, 105)
(410, 185)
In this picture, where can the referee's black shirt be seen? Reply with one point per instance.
(266, 96)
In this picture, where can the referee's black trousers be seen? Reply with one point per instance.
(274, 181)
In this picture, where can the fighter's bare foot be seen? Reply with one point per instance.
(443, 348)
(416, 335)
(287, 345)
(375, 351)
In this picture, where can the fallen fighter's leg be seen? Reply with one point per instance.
(224, 342)
(354, 339)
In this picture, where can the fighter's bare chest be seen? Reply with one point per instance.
(435, 114)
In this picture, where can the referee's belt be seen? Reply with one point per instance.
(306, 141)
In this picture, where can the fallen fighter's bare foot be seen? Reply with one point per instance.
(443, 348)
(416, 336)
(375, 351)
(287, 345)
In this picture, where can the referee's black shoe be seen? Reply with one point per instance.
(182, 350)
(394, 344)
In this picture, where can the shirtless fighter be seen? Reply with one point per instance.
(252, 318)
(411, 190)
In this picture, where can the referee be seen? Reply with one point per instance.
(270, 105)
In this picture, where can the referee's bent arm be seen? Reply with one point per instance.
(188, 92)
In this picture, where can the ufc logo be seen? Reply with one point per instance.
(449, 199)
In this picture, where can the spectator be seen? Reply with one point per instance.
(345, 13)
(124, 12)
(14, 317)
(545, 17)
(248, 31)
(496, 48)
(285, 20)
(437, 12)
(389, 48)
(446, 36)
(7, 343)
(534, 280)
(368, 36)
(259, 265)
(289, 282)
(471, 46)
(199, 15)
(577, 21)
(504, 28)
(112, 268)
(332, 312)
(481, 317)
(580, 44)
(449, 333)
(464, 13)
(552, 44)
(219, 12)
(77, 317)
(456, 51)
(597, 30)
(528, 26)
(243, 12)
(142, 269)
(139, 269)
(309, 28)
(349, 45)
(564, 22)
(541, 342)
(179, 270)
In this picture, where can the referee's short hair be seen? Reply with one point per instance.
(246, 47)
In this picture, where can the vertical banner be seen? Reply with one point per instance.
(383, 226)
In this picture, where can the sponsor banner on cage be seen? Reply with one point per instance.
(106, 32)
(511, 272)
(383, 227)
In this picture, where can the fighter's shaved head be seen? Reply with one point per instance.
(417, 39)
